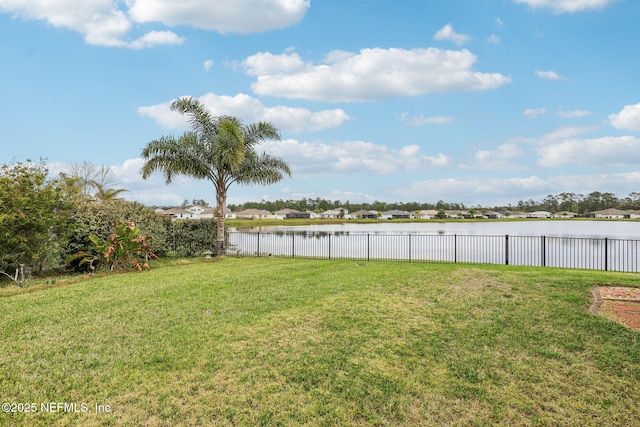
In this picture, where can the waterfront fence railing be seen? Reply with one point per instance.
(546, 251)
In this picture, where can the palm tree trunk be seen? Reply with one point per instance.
(221, 202)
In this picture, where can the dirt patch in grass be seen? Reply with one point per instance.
(619, 304)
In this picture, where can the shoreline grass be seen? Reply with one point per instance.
(274, 341)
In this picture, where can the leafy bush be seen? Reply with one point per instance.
(33, 214)
(192, 237)
(97, 219)
(125, 249)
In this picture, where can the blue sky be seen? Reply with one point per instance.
(484, 102)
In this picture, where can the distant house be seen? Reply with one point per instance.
(565, 214)
(514, 214)
(634, 214)
(177, 213)
(492, 214)
(313, 215)
(197, 210)
(455, 213)
(209, 213)
(427, 214)
(396, 214)
(291, 214)
(253, 214)
(334, 213)
(213, 213)
(539, 214)
(362, 214)
(609, 213)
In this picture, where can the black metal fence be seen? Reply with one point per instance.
(563, 252)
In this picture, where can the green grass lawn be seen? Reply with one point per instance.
(270, 341)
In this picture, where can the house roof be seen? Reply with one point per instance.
(396, 212)
(254, 212)
(175, 211)
(610, 211)
(287, 211)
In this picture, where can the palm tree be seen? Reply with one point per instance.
(106, 194)
(220, 149)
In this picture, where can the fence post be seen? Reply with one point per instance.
(293, 245)
(606, 254)
(455, 248)
(368, 248)
(506, 249)
(258, 251)
(409, 247)
(329, 246)
(544, 251)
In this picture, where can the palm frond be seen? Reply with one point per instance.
(263, 169)
(230, 145)
(201, 121)
(171, 156)
(259, 132)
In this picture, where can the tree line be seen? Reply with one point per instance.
(562, 202)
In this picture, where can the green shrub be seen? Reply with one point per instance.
(125, 249)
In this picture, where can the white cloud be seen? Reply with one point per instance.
(268, 63)
(100, 21)
(370, 74)
(493, 39)
(503, 158)
(574, 114)
(534, 113)
(421, 120)
(567, 132)
(239, 16)
(250, 110)
(628, 118)
(154, 38)
(597, 152)
(499, 23)
(548, 75)
(447, 33)
(567, 6)
(348, 157)
(108, 22)
(207, 64)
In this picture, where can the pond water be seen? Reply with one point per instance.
(560, 228)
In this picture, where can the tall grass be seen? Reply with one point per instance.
(305, 342)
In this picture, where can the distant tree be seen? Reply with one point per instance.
(632, 201)
(550, 203)
(94, 181)
(103, 193)
(221, 149)
(200, 202)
